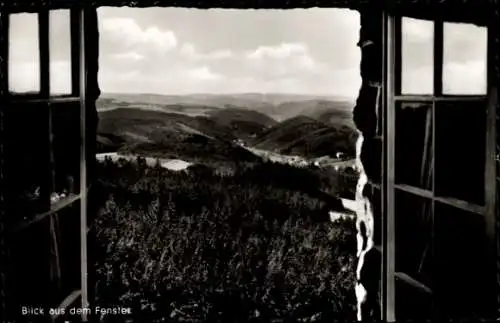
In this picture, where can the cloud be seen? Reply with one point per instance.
(464, 56)
(465, 78)
(283, 60)
(457, 31)
(418, 80)
(281, 51)
(129, 33)
(417, 30)
(464, 43)
(203, 73)
(131, 56)
(218, 62)
(23, 37)
(60, 77)
(145, 52)
(190, 51)
(458, 78)
(172, 51)
(24, 76)
(286, 68)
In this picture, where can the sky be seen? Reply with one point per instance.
(300, 51)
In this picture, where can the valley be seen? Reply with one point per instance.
(290, 129)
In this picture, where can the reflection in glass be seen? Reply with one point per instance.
(464, 59)
(25, 166)
(60, 52)
(417, 51)
(66, 129)
(460, 150)
(462, 277)
(24, 53)
(414, 151)
(413, 219)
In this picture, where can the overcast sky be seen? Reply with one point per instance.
(177, 51)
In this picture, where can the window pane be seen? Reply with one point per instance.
(66, 130)
(464, 59)
(30, 268)
(25, 163)
(413, 220)
(413, 224)
(417, 63)
(24, 53)
(69, 250)
(460, 150)
(60, 52)
(464, 279)
(414, 145)
(411, 303)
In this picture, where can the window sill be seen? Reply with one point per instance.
(67, 302)
(52, 99)
(54, 208)
(412, 282)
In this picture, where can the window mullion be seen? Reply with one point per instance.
(43, 33)
(398, 57)
(75, 52)
(438, 58)
(83, 160)
(388, 174)
(491, 143)
(432, 242)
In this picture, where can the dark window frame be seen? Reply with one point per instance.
(78, 94)
(391, 97)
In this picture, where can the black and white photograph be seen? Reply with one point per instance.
(332, 163)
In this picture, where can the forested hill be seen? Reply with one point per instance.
(299, 125)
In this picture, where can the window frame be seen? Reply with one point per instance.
(78, 94)
(392, 95)
(43, 18)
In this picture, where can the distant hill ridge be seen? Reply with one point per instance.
(310, 126)
(308, 137)
(277, 106)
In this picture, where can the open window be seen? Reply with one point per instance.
(439, 192)
(45, 170)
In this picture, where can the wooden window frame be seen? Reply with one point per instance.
(391, 96)
(78, 94)
(43, 95)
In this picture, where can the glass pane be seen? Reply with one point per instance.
(60, 52)
(413, 217)
(66, 129)
(26, 151)
(464, 58)
(35, 273)
(411, 303)
(417, 61)
(29, 254)
(69, 249)
(24, 53)
(460, 150)
(414, 144)
(464, 280)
